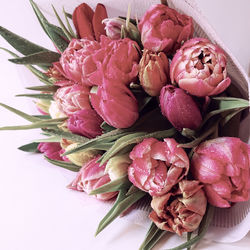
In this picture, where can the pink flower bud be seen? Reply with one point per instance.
(199, 67)
(164, 29)
(157, 166)
(179, 108)
(153, 72)
(92, 176)
(222, 165)
(85, 122)
(180, 210)
(51, 150)
(115, 104)
(72, 98)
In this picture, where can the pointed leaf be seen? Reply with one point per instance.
(73, 34)
(66, 135)
(27, 117)
(55, 33)
(19, 43)
(64, 164)
(39, 58)
(112, 186)
(66, 32)
(31, 147)
(38, 96)
(119, 207)
(50, 139)
(52, 88)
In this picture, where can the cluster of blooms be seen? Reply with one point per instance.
(93, 78)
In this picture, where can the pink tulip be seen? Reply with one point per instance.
(199, 67)
(222, 165)
(115, 104)
(157, 166)
(181, 209)
(153, 72)
(85, 122)
(164, 29)
(51, 150)
(179, 108)
(70, 99)
(116, 60)
(73, 57)
(92, 176)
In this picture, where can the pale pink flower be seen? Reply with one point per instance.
(157, 166)
(179, 108)
(72, 98)
(181, 209)
(164, 29)
(199, 67)
(92, 176)
(222, 165)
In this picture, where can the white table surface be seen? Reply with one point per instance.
(37, 212)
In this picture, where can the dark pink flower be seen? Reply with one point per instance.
(181, 209)
(222, 165)
(179, 108)
(199, 67)
(92, 176)
(157, 166)
(164, 29)
(51, 150)
(85, 122)
(115, 104)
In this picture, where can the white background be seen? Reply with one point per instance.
(37, 212)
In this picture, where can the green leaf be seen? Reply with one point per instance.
(202, 230)
(31, 147)
(73, 34)
(64, 164)
(38, 96)
(225, 104)
(20, 44)
(50, 139)
(112, 186)
(66, 135)
(55, 33)
(40, 58)
(156, 237)
(41, 76)
(66, 32)
(122, 203)
(49, 88)
(27, 117)
(106, 127)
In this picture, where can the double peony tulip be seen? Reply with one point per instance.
(181, 209)
(199, 67)
(92, 176)
(164, 29)
(72, 98)
(157, 166)
(179, 108)
(223, 166)
(153, 72)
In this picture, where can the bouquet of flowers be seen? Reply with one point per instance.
(143, 111)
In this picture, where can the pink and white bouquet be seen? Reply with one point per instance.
(139, 109)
